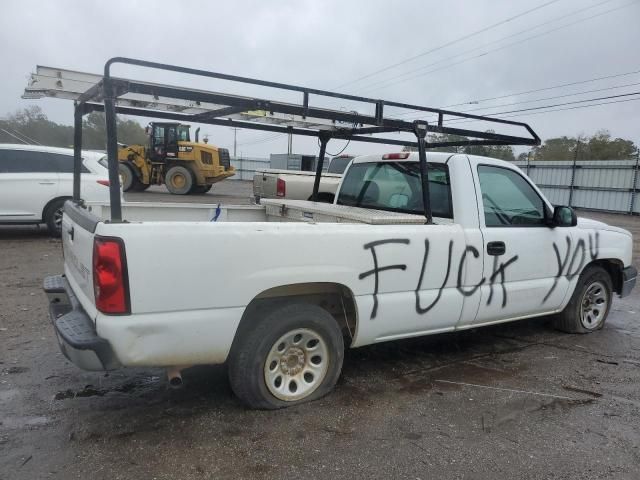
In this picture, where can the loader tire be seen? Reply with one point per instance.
(128, 178)
(179, 180)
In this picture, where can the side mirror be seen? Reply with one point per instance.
(564, 217)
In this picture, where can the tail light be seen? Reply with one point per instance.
(281, 188)
(395, 156)
(110, 278)
(106, 183)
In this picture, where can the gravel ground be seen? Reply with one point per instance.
(511, 401)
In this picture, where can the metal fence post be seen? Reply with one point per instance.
(528, 161)
(573, 173)
(634, 186)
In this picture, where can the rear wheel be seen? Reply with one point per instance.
(128, 178)
(179, 180)
(590, 303)
(53, 216)
(292, 355)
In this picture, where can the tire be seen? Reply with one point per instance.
(128, 177)
(200, 189)
(52, 216)
(179, 180)
(299, 344)
(590, 303)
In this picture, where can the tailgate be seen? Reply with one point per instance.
(78, 227)
(265, 185)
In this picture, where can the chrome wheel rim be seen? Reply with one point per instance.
(296, 365)
(594, 305)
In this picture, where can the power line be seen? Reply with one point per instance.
(494, 50)
(452, 42)
(14, 136)
(456, 120)
(563, 109)
(528, 30)
(539, 99)
(33, 141)
(580, 82)
(551, 98)
(268, 138)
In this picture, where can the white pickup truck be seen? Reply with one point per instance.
(301, 281)
(297, 184)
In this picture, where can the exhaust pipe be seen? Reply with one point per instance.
(174, 375)
(197, 134)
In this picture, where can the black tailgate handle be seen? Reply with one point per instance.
(496, 248)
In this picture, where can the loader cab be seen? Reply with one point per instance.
(164, 138)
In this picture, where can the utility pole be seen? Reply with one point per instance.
(290, 144)
(235, 143)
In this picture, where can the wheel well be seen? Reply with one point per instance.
(614, 268)
(335, 298)
(50, 202)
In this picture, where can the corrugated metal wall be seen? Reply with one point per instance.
(246, 167)
(610, 185)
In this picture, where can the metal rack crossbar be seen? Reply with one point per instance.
(131, 97)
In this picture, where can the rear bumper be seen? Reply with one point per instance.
(75, 331)
(629, 276)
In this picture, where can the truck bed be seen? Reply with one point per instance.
(271, 210)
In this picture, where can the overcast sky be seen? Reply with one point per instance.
(329, 44)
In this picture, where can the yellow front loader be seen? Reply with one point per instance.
(172, 159)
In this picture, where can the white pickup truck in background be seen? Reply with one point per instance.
(298, 184)
(300, 281)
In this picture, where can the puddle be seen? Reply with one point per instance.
(137, 386)
(468, 372)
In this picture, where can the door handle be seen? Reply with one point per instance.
(47, 183)
(496, 248)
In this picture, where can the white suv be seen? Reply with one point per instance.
(35, 182)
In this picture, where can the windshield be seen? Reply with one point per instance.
(396, 186)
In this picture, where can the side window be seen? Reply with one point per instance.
(64, 163)
(24, 161)
(158, 138)
(508, 199)
(8, 163)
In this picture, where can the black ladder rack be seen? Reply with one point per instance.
(224, 109)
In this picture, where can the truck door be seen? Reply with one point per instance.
(523, 257)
